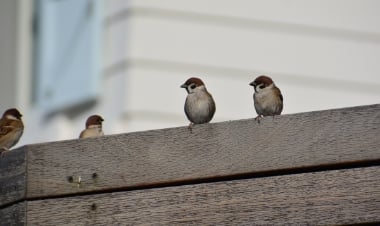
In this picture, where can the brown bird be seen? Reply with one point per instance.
(93, 127)
(11, 129)
(267, 97)
(199, 104)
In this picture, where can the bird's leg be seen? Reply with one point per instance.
(190, 127)
(3, 151)
(258, 118)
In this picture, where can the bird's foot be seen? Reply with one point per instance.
(258, 118)
(190, 127)
(4, 151)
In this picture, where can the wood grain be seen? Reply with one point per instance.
(13, 215)
(324, 198)
(13, 176)
(212, 150)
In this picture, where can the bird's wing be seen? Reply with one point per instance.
(7, 126)
(278, 92)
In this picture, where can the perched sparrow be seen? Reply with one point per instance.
(199, 105)
(267, 97)
(93, 127)
(11, 129)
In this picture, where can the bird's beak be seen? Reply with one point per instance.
(252, 84)
(183, 86)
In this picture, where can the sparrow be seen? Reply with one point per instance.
(93, 127)
(11, 129)
(267, 97)
(199, 104)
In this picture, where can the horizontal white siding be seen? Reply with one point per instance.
(165, 39)
(360, 15)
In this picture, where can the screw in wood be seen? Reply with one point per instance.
(93, 206)
(70, 179)
(94, 176)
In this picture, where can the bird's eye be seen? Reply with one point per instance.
(262, 86)
(192, 86)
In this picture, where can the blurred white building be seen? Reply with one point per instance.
(61, 61)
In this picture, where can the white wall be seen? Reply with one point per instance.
(14, 53)
(322, 54)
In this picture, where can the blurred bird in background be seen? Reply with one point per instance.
(93, 127)
(11, 129)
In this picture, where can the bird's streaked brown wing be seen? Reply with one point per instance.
(10, 132)
(9, 126)
(278, 92)
(5, 127)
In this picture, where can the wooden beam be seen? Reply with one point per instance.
(216, 150)
(212, 150)
(13, 214)
(13, 176)
(350, 196)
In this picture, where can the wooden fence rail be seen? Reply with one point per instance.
(309, 168)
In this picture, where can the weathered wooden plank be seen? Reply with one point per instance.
(335, 197)
(235, 147)
(12, 176)
(212, 150)
(13, 215)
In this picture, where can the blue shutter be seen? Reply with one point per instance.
(68, 50)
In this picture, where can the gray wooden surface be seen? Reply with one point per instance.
(212, 150)
(175, 155)
(13, 176)
(13, 215)
(324, 198)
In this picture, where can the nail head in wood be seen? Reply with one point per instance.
(94, 176)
